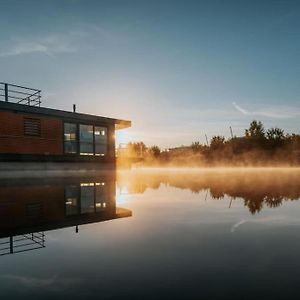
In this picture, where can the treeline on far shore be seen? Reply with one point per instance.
(258, 147)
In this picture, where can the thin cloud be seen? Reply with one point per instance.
(50, 45)
(275, 112)
(59, 43)
(240, 109)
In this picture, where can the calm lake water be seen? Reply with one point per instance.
(152, 234)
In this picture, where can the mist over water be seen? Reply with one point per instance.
(258, 187)
(223, 233)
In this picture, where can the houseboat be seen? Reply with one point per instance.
(31, 207)
(39, 138)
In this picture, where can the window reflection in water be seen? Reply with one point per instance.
(72, 200)
(101, 196)
(30, 206)
(88, 198)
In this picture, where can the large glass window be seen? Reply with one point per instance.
(70, 138)
(100, 140)
(86, 133)
(92, 139)
(87, 199)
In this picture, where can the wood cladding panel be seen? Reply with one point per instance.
(30, 134)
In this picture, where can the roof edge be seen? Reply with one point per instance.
(9, 106)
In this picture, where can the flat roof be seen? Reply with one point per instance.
(69, 221)
(62, 114)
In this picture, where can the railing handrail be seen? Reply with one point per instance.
(19, 86)
(30, 96)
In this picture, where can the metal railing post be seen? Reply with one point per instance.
(6, 92)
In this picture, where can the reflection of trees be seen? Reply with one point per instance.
(273, 201)
(258, 189)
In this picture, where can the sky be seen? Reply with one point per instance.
(179, 70)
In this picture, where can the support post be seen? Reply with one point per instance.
(6, 92)
(11, 244)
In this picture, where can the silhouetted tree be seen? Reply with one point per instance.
(154, 151)
(275, 134)
(275, 137)
(257, 147)
(217, 142)
(256, 130)
(196, 146)
(136, 149)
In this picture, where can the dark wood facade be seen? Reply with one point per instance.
(19, 141)
(13, 140)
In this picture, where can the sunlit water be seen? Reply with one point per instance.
(152, 234)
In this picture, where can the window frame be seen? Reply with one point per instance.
(79, 142)
(107, 142)
(78, 139)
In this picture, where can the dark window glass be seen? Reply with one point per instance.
(71, 200)
(86, 140)
(32, 127)
(70, 138)
(101, 196)
(100, 140)
(71, 147)
(87, 199)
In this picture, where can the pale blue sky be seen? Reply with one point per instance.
(177, 69)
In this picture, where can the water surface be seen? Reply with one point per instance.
(152, 234)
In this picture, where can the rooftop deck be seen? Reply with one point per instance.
(28, 100)
(19, 94)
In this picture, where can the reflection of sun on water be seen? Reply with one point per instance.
(122, 194)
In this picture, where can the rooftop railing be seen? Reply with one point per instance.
(22, 243)
(19, 94)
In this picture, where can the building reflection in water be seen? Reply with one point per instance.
(257, 188)
(30, 207)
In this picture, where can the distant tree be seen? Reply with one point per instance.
(294, 139)
(275, 134)
(217, 142)
(136, 149)
(155, 151)
(196, 146)
(256, 130)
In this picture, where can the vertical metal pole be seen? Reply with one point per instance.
(6, 92)
(39, 97)
(231, 132)
(206, 139)
(11, 244)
